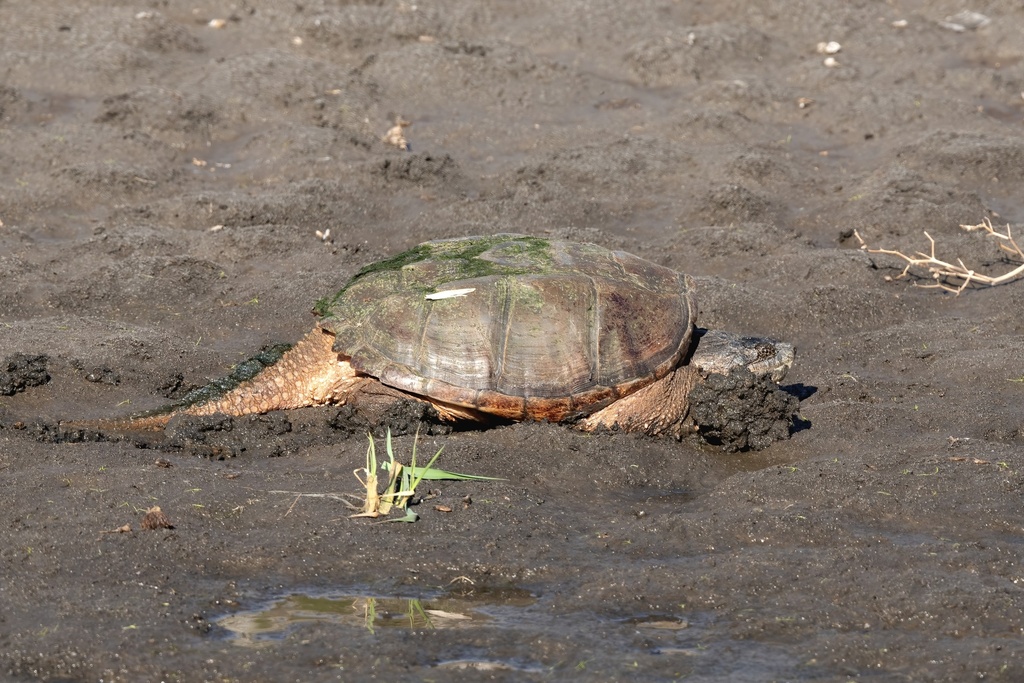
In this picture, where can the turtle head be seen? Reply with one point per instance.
(719, 352)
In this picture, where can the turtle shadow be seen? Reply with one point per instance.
(799, 391)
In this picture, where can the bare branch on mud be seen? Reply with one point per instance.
(956, 277)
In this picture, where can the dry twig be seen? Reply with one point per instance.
(956, 277)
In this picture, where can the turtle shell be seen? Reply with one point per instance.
(516, 326)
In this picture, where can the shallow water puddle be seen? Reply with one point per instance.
(505, 630)
(278, 618)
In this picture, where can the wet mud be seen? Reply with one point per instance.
(181, 182)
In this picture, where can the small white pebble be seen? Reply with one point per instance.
(396, 135)
(449, 294)
(216, 228)
(831, 62)
(900, 23)
(143, 15)
(829, 48)
(967, 19)
(297, 40)
(218, 23)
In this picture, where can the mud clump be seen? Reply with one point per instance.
(222, 437)
(740, 411)
(21, 371)
(399, 417)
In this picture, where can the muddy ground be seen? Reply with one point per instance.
(162, 183)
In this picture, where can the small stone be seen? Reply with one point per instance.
(156, 519)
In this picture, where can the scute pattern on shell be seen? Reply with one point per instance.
(551, 329)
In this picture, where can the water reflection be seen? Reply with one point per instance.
(279, 617)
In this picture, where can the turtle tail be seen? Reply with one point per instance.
(278, 378)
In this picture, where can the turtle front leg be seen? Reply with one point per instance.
(661, 408)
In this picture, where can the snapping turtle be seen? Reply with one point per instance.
(504, 327)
